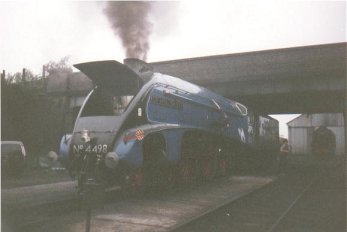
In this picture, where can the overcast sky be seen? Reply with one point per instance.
(35, 32)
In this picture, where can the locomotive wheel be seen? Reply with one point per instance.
(135, 185)
(208, 168)
(187, 172)
(138, 179)
(223, 166)
(169, 179)
(157, 171)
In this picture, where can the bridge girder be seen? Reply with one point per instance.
(307, 79)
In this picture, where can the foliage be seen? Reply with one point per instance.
(61, 66)
(18, 77)
(28, 115)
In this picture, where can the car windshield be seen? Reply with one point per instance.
(104, 103)
(10, 148)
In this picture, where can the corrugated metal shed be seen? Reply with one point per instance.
(300, 139)
(308, 120)
(300, 131)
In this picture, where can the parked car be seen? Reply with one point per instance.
(12, 157)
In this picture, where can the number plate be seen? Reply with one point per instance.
(99, 148)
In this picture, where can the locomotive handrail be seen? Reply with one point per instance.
(204, 104)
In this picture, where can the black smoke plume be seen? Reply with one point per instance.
(130, 21)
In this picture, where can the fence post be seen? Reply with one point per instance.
(3, 75)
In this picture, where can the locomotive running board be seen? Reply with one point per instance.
(112, 75)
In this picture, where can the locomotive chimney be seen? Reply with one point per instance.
(138, 66)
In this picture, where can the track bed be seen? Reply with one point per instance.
(155, 212)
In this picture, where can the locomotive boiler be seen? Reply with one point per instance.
(138, 128)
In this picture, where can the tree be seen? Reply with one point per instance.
(18, 77)
(61, 66)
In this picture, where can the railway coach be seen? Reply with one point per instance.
(138, 128)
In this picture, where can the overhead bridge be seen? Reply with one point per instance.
(306, 79)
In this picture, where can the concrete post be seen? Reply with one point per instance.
(23, 75)
(43, 71)
(3, 75)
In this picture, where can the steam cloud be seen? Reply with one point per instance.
(130, 21)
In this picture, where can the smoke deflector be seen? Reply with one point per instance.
(112, 75)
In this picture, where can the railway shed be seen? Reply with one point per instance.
(303, 131)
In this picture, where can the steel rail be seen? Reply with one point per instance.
(290, 207)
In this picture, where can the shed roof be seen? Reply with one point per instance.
(314, 120)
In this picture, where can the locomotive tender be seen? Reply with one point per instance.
(137, 128)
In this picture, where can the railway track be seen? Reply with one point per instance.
(303, 201)
(155, 212)
(31, 205)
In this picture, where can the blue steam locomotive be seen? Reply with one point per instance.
(138, 128)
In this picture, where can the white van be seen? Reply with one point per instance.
(12, 157)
